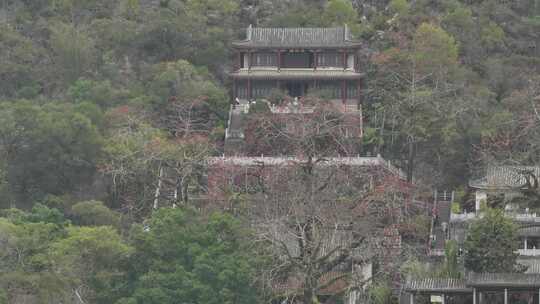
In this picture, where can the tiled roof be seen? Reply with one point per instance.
(436, 285)
(297, 37)
(529, 279)
(504, 280)
(504, 177)
(297, 74)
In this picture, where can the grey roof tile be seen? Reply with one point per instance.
(436, 284)
(504, 177)
(503, 279)
(297, 37)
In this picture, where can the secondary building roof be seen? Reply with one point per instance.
(478, 280)
(505, 177)
(504, 280)
(437, 285)
(262, 37)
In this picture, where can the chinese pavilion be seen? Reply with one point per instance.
(297, 61)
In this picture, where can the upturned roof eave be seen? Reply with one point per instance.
(247, 44)
(306, 75)
(473, 280)
(437, 290)
(493, 187)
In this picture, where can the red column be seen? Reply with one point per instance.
(249, 89)
(279, 60)
(343, 91)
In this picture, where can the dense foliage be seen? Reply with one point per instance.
(450, 86)
(177, 255)
(500, 233)
(98, 96)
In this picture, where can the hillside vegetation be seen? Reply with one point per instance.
(96, 94)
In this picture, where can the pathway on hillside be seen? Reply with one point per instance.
(441, 219)
(443, 211)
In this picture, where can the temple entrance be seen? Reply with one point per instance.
(296, 88)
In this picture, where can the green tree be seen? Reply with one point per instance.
(94, 213)
(47, 149)
(340, 12)
(18, 55)
(450, 268)
(3, 297)
(297, 15)
(492, 243)
(417, 86)
(24, 266)
(100, 93)
(183, 81)
(380, 293)
(88, 261)
(74, 52)
(182, 257)
(400, 7)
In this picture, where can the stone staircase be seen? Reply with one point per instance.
(234, 134)
(442, 206)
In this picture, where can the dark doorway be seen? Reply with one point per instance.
(296, 89)
(297, 60)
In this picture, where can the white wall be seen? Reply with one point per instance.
(350, 62)
(480, 196)
(246, 60)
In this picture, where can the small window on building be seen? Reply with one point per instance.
(352, 89)
(264, 59)
(241, 90)
(330, 89)
(332, 59)
(262, 89)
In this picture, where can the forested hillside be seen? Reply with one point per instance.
(96, 94)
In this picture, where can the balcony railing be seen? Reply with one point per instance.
(462, 217)
(529, 252)
(233, 134)
(520, 217)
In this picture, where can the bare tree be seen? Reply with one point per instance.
(149, 169)
(321, 216)
(322, 222)
(322, 130)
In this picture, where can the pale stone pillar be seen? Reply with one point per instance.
(411, 298)
(474, 295)
(506, 296)
(480, 297)
(479, 197)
